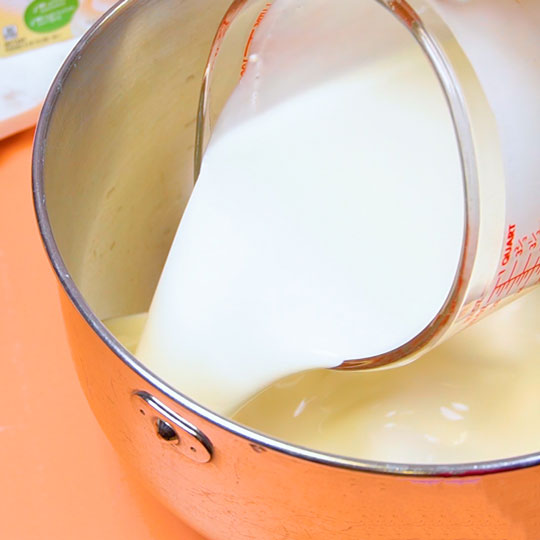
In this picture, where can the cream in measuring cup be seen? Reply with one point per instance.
(291, 252)
(330, 220)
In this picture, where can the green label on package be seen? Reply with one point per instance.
(48, 15)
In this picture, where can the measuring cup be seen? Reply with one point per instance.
(484, 55)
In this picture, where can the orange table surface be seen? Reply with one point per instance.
(59, 476)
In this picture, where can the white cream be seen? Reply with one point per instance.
(324, 228)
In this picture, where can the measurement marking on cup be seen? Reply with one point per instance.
(526, 246)
(520, 279)
(523, 274)
(509, 281)
(509, 244)
(258, 21)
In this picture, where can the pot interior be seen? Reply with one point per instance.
(117, 139)
(118, 166)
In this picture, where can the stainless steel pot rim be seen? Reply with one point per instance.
(400, 469)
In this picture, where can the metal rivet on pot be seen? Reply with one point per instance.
(165, 431)
(170, 428)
